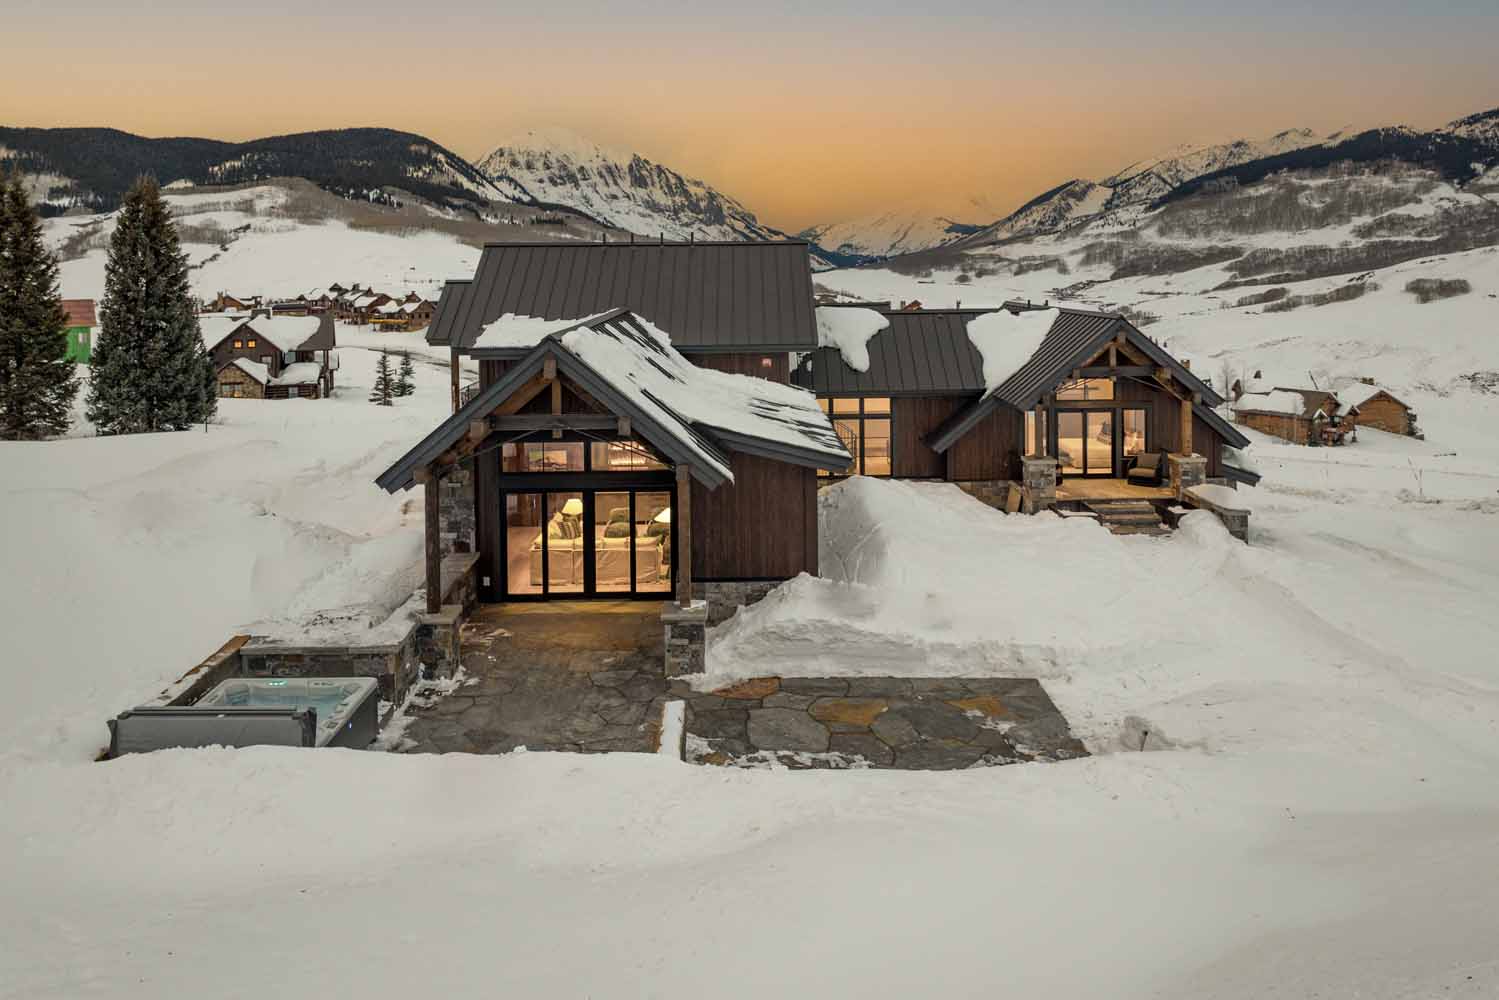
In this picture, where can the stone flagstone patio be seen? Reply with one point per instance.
(924, 724)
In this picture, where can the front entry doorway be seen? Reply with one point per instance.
(571, 543)
(1098, 441)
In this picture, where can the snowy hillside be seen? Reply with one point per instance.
(623, 190)
(887, 235)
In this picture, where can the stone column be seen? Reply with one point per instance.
(1038, 482)
(459, 517)
(1186, 471)
(686, 638)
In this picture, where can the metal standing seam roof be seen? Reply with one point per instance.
(449, 302)
(714, 297)
(1075, 337)
(920, 353)
(681, 439)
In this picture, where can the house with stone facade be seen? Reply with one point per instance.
(261, 356)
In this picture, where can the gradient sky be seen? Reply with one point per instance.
(807, 112)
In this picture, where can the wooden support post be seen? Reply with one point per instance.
(453, 376)
(1186, 444)
(624, 428)
(682, 518)
(433, 511)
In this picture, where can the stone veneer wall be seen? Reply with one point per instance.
(726, 597)
(457, 518)
(993, 492)
(395, 667)
(686, 639)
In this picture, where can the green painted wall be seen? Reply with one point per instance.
(80, 344)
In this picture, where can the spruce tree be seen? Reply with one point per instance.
(381, 394)
(151, 371)
(37, 379)
(404, 386)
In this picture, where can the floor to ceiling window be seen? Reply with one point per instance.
(863, 424)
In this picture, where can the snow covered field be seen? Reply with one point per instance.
(1316, 812)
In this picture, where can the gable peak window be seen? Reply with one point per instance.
(1086, 389)
(238, 344)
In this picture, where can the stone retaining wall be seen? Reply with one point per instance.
(686, 638)
(993, 492)
(395, 667)
(725, 597)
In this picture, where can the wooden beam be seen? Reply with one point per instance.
(549, 369)
(434, 543)
(1110, 371)
(624, 427)
(557, 396)
(453, 376)
(478, 430)
(528, 391)
(548, 421)
(1186, 410)
(682, 518)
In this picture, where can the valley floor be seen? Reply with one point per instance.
(1314, 813)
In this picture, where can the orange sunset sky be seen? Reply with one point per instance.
(805, 112)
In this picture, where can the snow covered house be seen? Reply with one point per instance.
(1300, 416)
(633, 433)
(1020, 397)
(402, 316)
(601, 462)
(1372, 405)
(261, 357)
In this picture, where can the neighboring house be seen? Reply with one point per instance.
(226, 302)
(402, 317)
(1371, 405)
(1095, 394)
(80, 329)
(265, 357)
(360, 307)
(1300, 416)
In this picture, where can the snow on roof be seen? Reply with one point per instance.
(1008, 341)
(1359, 393)
(1279, 401)
(364, 301)
(1240, 458)
(637, 358)
(285, 333)
(512, 330)
(411, 307)
(389, 309)
(254, 369)
(848, 328)
(300, 373)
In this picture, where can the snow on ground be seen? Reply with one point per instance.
(1315, 812)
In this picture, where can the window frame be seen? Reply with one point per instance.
(855, 409)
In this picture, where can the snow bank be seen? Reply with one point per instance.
(1221, 496)
(1007, 341)
(848, 328)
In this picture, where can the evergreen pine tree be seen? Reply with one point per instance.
(381, 394)
(403, 385)
(37, 379)
(151, 371)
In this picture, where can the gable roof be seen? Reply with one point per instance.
(285, 333)
(449, 301)
(1306, 403)
(1360, 393)
(713, 297)
(923, 352)
(1075, 336)
(80, 312)
(690, 414)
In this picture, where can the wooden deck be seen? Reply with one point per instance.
(1110, 489)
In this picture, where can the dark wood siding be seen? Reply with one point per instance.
(1163, 427)
(991, 450)
(914, 417)
(747, 364)
(264, 352)
(488, 519)
(761, 526)
(490, 372)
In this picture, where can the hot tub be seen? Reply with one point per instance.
(245, 711)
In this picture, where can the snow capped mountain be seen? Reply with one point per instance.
(1482, 127)
(623, 190)
(1151, 179)
(887, 235)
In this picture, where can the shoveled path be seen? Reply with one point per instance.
(555, 676)
(924, 724)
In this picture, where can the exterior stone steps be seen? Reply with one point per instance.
(1128, 517)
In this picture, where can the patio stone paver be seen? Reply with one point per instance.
(584, 677)
(919, 724)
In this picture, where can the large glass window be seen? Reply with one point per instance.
(623, 456)
(864, 426)
(1133, 427)
(613, 541)
(542, 456)
(524, 555)
(564, 543)
(1070, 442)
(1035, 431)
(1087, 388)
(653, 542)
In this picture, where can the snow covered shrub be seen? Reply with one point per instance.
(1427, 289)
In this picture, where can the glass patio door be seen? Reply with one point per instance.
(1086, 442)
(588, 543)
(1098, 455)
